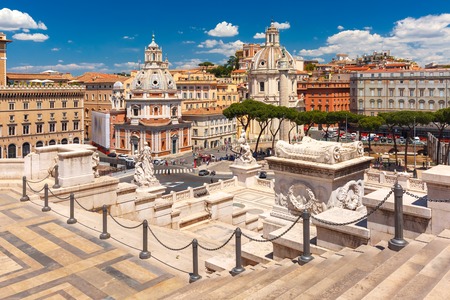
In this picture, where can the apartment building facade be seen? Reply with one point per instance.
(210, 128)
(375, 91)
(325, 94)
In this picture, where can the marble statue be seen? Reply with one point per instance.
(143, 169)
(348, 196)
(245, 155)
(51, 169)
(313, 150)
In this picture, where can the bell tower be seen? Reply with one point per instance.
(3, 43)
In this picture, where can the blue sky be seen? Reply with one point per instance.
(110, 36)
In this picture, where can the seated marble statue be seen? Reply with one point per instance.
(319, 151)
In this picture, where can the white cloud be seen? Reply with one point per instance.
(70, 42)
(219, 47)
(424, 40)
(55, 49)
(259, 35)
(368, 28)
(60, 61)
(340, 27)
(188, 42)
(35, 37)
(127, 66)
(11, 20)
(224, 29)
(128, 37)
(284, 25)
(188, 64)
(81, 67)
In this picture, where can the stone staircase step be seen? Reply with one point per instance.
(440, 290)
(194, 218)
(267, 279)
(237, 285)
(346, 276)
(321, 277)
(432, 272)
(404, 273)
(283, 284)
(389, 261)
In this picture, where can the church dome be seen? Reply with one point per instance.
(118, 85)
(155, 74)
(267, 58)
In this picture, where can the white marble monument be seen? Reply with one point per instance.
(245, 167)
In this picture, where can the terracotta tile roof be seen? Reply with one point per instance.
(239, 71)
(92, 77)
(204, 111)
(40, 76)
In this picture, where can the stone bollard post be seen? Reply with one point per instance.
(105, 235)
(306, 256)
(56, 185)
(397, 243)
(46, 207)
(144, 253)
(72, 219)
(238, 269)
(194, 276)
(24, 189)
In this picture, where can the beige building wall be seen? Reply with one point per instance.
(39, 116)
(375, 91)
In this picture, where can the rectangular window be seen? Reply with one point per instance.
(64, 104)
(411, 92)
(11, 118)
(64, 126)
(431, 105)
(379, 92)
(400, 92)
(441, 93)
(75, 125)
(372, 92)
(11, 106)
(39, 105)
(25, 105)
(205, 95)
(26, 129)
(51, 127)
(391, 92)
(38, 128)
(421, 93)
(75, 103)
(12, 130)
(52, 104)
(261, 86)
(431, 92)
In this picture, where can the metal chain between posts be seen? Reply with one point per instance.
(60, 198)
(426, 198)
(33, 190)
(38, 181)
(127, 227)
(276, 237)
(170, 248)
(221, 246)
(357, 220)
(90, 210)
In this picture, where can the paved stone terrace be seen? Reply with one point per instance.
(42, 257)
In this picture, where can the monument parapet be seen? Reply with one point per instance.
(317, 175)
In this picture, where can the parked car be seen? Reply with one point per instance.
(203, 173)
(112, 154)
(159, 162)
(262, 175)
(122, 156)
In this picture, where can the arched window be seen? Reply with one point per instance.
(401, 104)
(12, 151)
(174, 111)
(76, 140)
(52, 142)
(431, 104)
(39, 144)
(25, 149)
(412, 104)
(64, 141)
(391, 103)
